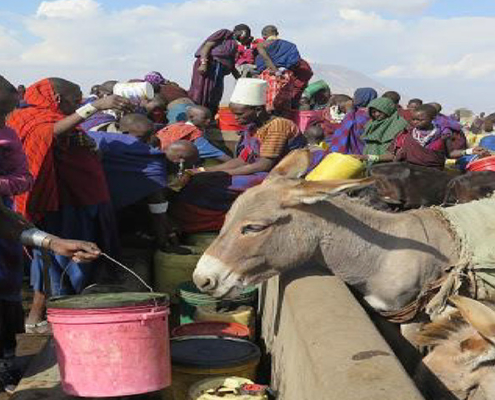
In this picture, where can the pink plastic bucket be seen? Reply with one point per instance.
(108, 352)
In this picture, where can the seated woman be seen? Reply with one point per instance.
(425, 143)
(332, 116)
(204, 201)
(384, 127)
(347, 138)
(319, 95)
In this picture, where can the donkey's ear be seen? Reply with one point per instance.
(479, 316)
(294, 165)
(311, 192)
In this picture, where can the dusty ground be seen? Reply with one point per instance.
(28, 346)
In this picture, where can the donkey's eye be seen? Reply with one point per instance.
(253, 228)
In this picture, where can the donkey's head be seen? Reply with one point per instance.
(268, 229)
(463, 354)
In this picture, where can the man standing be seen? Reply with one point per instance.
(69, 197)
(215, 59)
(281, 66)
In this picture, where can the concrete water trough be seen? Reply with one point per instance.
(324, 346)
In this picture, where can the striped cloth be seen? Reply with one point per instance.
(280, 90)
(274, 137)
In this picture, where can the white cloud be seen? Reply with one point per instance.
(70, 9)
(357, 22)
(9, 44)
(459, 48)
(470, 66)
(397, 6)
(81, 40)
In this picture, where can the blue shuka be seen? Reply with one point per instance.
(283, 54)
(133, 169)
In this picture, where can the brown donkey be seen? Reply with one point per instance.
(462, 352)
(286, 222)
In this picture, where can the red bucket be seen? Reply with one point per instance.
(213, 328)
(227, 121)
(485, 164)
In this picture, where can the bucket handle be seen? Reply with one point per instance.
(152, 314)
(114, 261)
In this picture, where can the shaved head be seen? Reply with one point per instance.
(106, 88)
(269, 30)
(94, 89)
(131, 120)
(428, 109)
(69, 93)
(157, 103)
(182, 151)
(199, 116)
(437, 106)
(63, 86)
(203, 111)
(394, 96)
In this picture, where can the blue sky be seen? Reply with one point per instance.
(439, 8)
(435, 49)
(462, 8)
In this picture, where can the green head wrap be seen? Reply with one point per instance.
(378, 135)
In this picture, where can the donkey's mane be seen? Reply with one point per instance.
(440, 330)
(365, 201)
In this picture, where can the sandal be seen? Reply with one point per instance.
(9, 378)
(39, 328)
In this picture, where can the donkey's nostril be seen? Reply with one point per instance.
(205, 283)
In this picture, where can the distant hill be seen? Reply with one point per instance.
(344, 80)
(341, 80)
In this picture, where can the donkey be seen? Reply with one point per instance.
(286, 222)
(462, 353)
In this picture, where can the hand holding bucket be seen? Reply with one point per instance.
(136, 92)
(114, 103)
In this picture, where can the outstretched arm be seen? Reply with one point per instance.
(15, 227)
(268, 61)
(260, 165)
(227, 166)
(112, 102)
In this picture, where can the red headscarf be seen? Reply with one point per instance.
(35, 127)
(79, 181)
(178, 131)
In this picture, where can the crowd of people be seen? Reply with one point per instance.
(94, 169)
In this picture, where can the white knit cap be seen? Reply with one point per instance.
(249, 92)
